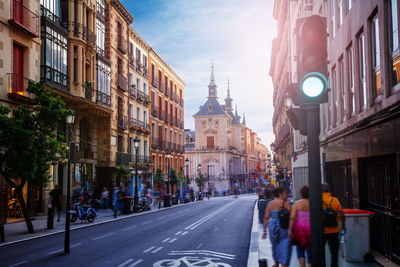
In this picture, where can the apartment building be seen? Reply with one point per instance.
(19, 63)
(359, 145)
(167, 115)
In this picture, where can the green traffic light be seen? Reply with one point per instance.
(314, 84)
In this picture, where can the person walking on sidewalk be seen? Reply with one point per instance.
(332, 212)
(278, 228)
(104, 198)
(299, 227)
(115, 201)
(56, 200)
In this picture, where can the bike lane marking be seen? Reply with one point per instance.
(173, 240)
(147, 222)
(97, 238)
(136, 263)
(126, 229)
(165, 240)
(147, 250)
(125, 263)
(18, 263)
(177, 233)
(157, 250)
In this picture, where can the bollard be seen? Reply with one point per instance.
(262, 263)
(50, 216)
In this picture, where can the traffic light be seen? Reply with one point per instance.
(297, 117)
(312, 60)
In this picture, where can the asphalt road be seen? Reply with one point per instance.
(195, 234)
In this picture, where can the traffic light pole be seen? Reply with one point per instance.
(314, 174)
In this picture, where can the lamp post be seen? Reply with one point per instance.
(168, 159)
(136, 143)
(187, 170)
(70, 122)
(199, 169)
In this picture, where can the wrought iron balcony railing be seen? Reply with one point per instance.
(139, 66)
(103, 98)
(81, 31)
(121, 82)
(122, 44)
(154, 111)
(145, 72)
(122, 121)
(24, 18)
(17, 86)
(46, 13)
(132, 61)
(154, 83)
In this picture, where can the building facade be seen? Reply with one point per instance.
(359, 148)
(166, 116)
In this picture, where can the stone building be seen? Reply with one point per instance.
(360, 122)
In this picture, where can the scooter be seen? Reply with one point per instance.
(82, 213)
(144, 202)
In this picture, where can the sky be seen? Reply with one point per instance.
(235, 34)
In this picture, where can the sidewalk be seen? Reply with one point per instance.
(17, 231)
(261, 249)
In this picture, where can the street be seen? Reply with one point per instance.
(215, 230)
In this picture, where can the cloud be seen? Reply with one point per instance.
(236, 34)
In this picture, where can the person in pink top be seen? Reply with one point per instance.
(299, 227)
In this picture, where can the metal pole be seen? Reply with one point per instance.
(67, 215)
(314, 172)
(168, 177)
(136, 197)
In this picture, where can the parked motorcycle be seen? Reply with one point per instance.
(83, 213)
(144, 202)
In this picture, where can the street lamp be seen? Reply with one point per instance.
(168, 159)
(136, 143)
(199, 169)
(70, 122)
(187, 169)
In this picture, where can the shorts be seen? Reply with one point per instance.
(300, 254)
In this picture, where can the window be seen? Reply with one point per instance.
(349, 4)
(145, 61)
(138, 84)
(342, 90)
(335, 97)
(350, 71)
(166, 83)
(138, 55)
(100, 37)
(340, 12)
(376, 86)
(210, 141)
(51, 9)
(333, 24)
(363, 84)
(54, 57)
(103, 82)
(131, 55)
(145, 88)
(394, 42)
(101, 7)
(145, 150)
(138, 113)
(153, 72)
(130, 111)
(145, 116)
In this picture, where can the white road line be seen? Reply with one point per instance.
(97, 238)
(173, 240)
(78, 244)
(157, 250)
(177, 233)
(126, 229)
(184, 233)
(135, 263)
(165, 240)
(125, 263)
(55, 251)
(199, 245)
(215, 229)
(18, 263)
(147, 222)
(202, 220)
(147, 250)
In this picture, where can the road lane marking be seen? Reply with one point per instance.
(173, 240)
(165, 240)
(184, 233)
(135, 263)
(203, 252)
(147, 222)
(199, 245)
(157, 250)
(177, 233)
(97, 238)
(125, 263)
(126, 229)
(147, 250)
(215, 229)
(78, 244)
(55, 251)
(18, 263)
(204, 219)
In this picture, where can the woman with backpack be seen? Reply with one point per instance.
(299, 227)
(277, 219)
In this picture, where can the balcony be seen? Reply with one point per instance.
(121, 83)
(83, 32)
(160, 86)
(47, 14)
(122, 44)
(24, 18)
(123, 158)
(122, 122)
(17, 87)
(174, 121)
(101, 11)
(167, 91)
(145, 72)
(163, 115)
(88, 90)
(132, 91)
(154, 111)
(176, 98)
(139, 66)
(154, 83)
(103, 98)
(132, 61)
(181, 103)
(154, 142)
(174, 146)
(180, 124)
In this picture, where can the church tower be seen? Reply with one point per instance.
(228, 101)
(212, 87)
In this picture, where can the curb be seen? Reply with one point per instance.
(253, 249)
(92, 224)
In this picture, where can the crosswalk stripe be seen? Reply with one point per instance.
(147, 250)
(135, 263)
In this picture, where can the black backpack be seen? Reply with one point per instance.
(329, 215)
(284, 215)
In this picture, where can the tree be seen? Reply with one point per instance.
(29, 141)
(122, 174)
(159, 179)
(173, 179)
(200, 182)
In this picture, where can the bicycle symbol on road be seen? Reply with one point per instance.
(189, 259)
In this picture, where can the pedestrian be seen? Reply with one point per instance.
(299, 227)
(332, 212)
(85, 198)
(104, 198)
(55, 195)
(121, 194)
(277, 219)
(115, 201)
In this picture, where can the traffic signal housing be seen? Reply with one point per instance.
(311, 47)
